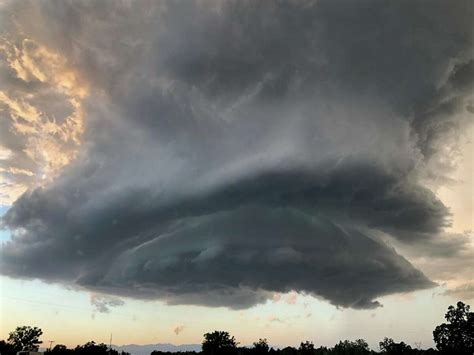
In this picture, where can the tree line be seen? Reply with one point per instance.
(456, 336)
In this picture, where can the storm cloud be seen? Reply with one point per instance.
(236, 149)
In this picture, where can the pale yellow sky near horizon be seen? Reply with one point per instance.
(66, 316)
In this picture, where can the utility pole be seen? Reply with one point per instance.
(110, 345)
(50, 344)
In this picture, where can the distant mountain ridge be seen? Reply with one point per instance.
(146, 349)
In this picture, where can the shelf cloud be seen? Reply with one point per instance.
(226, 151)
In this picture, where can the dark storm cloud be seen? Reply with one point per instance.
(268, 233)
(237, 149)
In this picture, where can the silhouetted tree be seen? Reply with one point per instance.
(7, 348)
(456, 336)
(388, 346)
(60, 349)
(260, 347)
(91, 348)
(358, 347)
(219, 342)
(306, 348)
(25, 338)
(289, 351)
(322, 350)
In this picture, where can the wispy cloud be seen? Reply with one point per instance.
(103, 303)
(462, 292)
(178, 329)
(41, 103)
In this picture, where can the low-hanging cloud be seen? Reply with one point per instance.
(252, 148)
(102, 304)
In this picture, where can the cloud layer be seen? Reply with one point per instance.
(233, 150)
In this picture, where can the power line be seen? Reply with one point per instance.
(69, 307)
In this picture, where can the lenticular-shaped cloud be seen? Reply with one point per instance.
(227, 259)
(252, 148)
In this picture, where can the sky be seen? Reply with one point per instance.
(286, 169)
